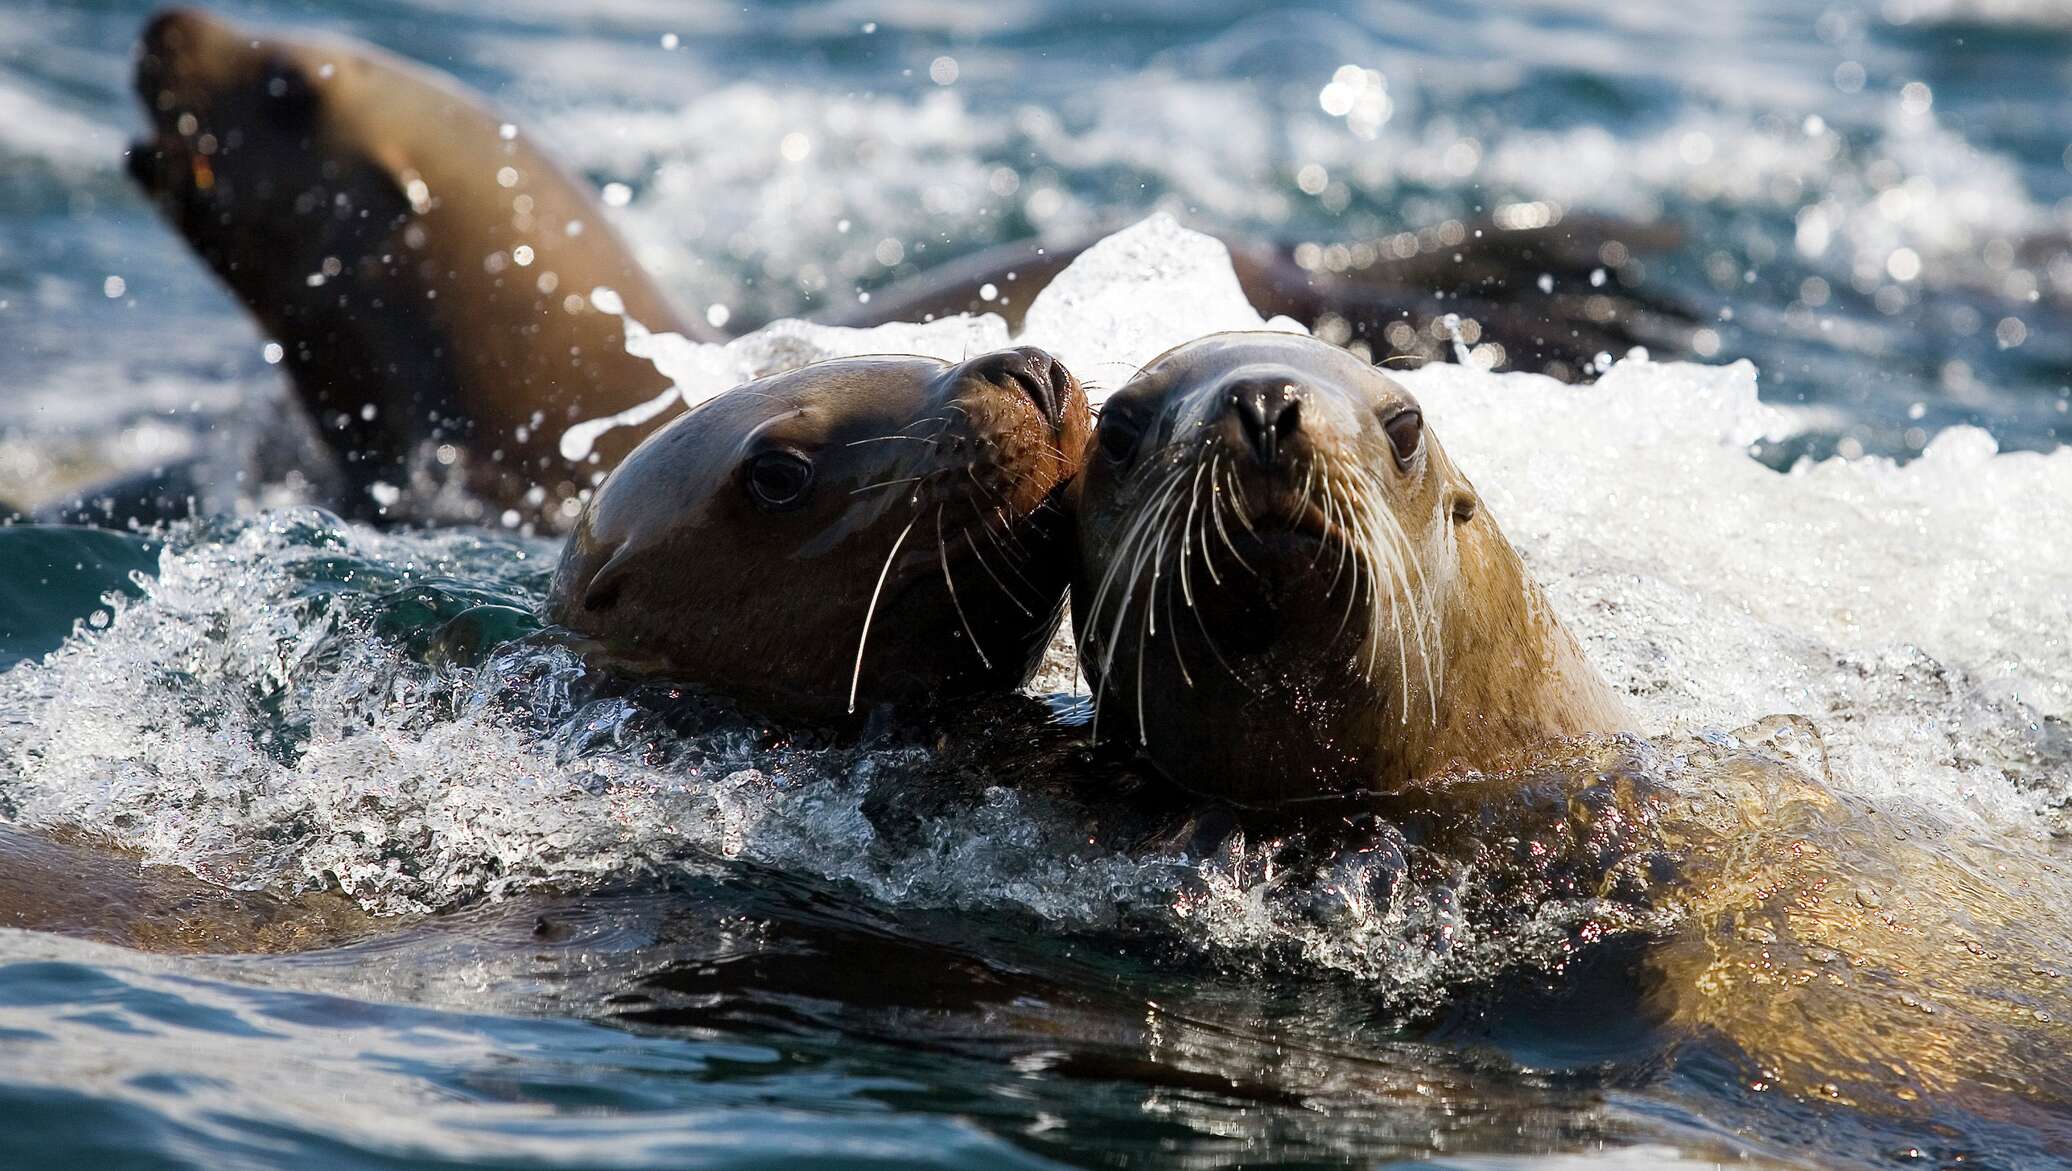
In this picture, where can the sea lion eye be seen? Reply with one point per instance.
(1406, 435)
(1120, 431)
(780, 479)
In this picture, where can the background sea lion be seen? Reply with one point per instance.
(426, 270)
(1287, 590)
(94, 890)
(904, 508)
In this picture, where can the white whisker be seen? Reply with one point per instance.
(863, 639)
(942, 557)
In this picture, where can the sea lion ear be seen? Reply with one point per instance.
(1463, 506)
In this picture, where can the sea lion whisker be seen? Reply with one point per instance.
(942, 558)
(982, 564)
(1377, 566)
(1186, 587)
(1230, 478)
(1200, 623)
(1418, 608)
(1143, 728)
(863, 640)
(1401, 600)
(889, 483)
(1208, 558)
(1153, 554)
(1334, 516)
(1308, 498)
(1012, 557)
(1187, 534)
(895, 435)
(1165, 538)
(1239, 505)
(1129, 554)
(1115, 565)
(1136, 551)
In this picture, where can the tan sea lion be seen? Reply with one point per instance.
(91, 889)
(854, 532)
(1287, 590)
(425, 268)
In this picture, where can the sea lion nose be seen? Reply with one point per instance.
(1269, 413)
(1035, 373)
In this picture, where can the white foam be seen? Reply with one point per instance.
(33, 127)
(1918, 613)
(1119, 304)
(698, 371)
(1135, 295)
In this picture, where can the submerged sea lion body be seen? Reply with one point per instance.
(425, 268)
(1287, 591)
(854, 532)
(1527, 297)
(427, 271)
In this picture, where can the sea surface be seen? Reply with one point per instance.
(622, 928)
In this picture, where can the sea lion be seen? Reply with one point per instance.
(1286, 590)
(1514, 292)
(77, 885)
(905, 511)
(426, 270)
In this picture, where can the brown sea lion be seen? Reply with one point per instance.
(424, 267)
(1287, 590)
(426, 270)
(905, 510)
(1515, 292)
(91, 889)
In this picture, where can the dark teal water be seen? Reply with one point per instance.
(659, 937)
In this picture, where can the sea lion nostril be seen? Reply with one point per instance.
(1060, 381)
(1032, 372)
(1270, 415)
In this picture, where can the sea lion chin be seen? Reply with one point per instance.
(852, 533)
(1288, 592)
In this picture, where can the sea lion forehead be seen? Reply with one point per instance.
(825, 401)
(1264, 354)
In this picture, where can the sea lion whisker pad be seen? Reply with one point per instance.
(1353, 618)
(773, 544)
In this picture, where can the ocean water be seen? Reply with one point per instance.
(620, 927)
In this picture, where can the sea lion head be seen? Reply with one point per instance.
(426, 268)
(239, 129)
(1287, 590)
(855, 532)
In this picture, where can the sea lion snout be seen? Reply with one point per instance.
(1268, 415)
(1036, 374)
